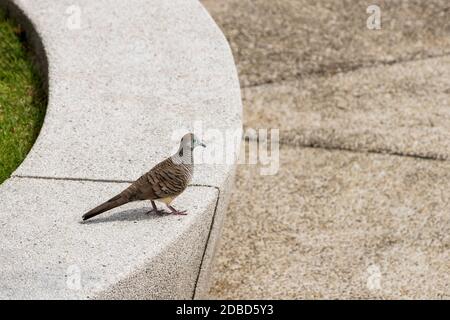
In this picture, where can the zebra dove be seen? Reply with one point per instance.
(163, 183)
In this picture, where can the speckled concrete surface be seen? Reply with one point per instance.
(113, 112)
(400, 109)
(48, 253)
(284, 39)
(336, 224)
(126, 81)
(314, 70)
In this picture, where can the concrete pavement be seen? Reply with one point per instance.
(337, 224)
(362, 214)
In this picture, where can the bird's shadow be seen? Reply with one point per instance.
(126, 215)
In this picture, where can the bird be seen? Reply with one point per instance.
(163, 183)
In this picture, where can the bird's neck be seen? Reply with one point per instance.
(184, 155)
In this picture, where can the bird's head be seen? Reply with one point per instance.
(191, 141)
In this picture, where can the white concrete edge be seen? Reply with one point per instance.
(20, 10)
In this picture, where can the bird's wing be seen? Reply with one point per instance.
(166, 179)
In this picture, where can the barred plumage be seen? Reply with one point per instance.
(164, 182)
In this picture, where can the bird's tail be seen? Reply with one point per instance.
(108, 205)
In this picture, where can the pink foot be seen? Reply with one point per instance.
(179, 213)
(176, 212)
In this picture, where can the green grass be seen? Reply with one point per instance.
(22, 98)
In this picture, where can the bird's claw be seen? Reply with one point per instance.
(179, 213)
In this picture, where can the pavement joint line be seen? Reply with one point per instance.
(97, 180)
(71, 179)
(358, 66)
(381, 151)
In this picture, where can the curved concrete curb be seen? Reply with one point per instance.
(123, 76)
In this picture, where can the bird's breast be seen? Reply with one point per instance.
(167, 200)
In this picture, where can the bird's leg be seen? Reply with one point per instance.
(155, 209)
(176, 212)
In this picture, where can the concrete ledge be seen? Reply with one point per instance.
(119, 86)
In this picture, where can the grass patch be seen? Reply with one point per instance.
(22, 98)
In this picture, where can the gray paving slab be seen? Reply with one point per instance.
(285, 39)
(47, 252)
(337, 225)
(401, 109)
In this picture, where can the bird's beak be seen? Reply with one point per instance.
(203, 145)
